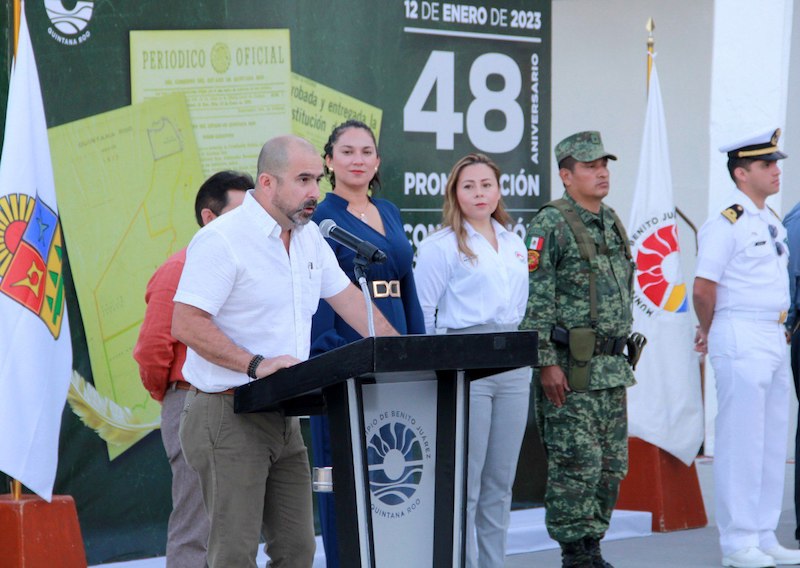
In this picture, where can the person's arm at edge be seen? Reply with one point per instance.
(197, 330)
(324, 335)
(431, 276)
(541, 313)
(792, 225)
(704, 297)
(415, 321)
(324, 332)
(155, 348)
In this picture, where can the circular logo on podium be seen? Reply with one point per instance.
(395, 458)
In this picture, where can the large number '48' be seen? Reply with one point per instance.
(445, 122)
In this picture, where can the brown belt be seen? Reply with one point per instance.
(180, 385)
(195, 389)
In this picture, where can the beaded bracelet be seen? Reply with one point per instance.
(251, 368)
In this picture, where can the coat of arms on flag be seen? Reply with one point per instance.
(31, 257)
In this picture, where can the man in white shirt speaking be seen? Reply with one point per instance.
(251, 283)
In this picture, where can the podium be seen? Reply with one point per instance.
(399, 416)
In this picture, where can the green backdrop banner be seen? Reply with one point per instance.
(138, 116)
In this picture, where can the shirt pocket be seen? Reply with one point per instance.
(312, 286)
(758, 248)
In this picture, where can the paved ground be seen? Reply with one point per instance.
(695, 548)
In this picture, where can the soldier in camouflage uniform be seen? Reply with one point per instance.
(582, 416)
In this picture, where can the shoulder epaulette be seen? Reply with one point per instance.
(733, 212)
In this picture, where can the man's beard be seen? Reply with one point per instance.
(300, 216)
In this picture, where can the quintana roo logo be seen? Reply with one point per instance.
(69, 25)
(658, 270)
(31, 258)
(395, 461)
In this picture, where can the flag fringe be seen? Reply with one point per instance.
(115, 424)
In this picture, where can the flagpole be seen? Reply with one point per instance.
(16, 485)
(658, 450)
(17, 11)
(651, 42)
(651, 25)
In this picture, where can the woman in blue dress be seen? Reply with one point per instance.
(351, 163)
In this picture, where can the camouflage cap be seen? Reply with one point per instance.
(583, 146)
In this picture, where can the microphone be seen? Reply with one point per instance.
(331, 230)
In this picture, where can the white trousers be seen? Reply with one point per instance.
(498, 412)
(751, 364)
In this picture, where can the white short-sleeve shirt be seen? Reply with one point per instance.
(742, 256)
(237, 269)
(491, 289)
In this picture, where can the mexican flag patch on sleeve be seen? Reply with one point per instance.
(535, 246)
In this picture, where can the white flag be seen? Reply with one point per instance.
(665, 408)
(35, 348)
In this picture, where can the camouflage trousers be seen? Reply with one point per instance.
(586, 441)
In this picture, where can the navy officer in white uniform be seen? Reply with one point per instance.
(741, 294)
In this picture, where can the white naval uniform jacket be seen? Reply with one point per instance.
(745, 250)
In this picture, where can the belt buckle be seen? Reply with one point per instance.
(385, 289)
(783, 316)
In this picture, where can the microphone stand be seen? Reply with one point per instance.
(360, 264)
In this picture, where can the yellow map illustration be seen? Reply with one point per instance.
(206, 100)
(126, 182)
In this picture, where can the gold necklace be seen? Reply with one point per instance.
(361, 214)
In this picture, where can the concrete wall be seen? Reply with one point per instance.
(599, 83)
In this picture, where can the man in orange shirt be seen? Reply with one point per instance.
(160, 357)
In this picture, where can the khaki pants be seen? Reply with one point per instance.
(255, 477)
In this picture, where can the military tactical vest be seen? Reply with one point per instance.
(588, 248)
